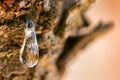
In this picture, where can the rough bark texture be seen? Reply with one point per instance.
(62, 30)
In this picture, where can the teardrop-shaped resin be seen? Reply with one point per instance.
(29, 53)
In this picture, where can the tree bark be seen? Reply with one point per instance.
(61, 27)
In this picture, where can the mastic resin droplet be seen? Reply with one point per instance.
(29, 53)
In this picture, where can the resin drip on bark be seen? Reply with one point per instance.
(29, 53)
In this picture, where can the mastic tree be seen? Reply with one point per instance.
(61, 28)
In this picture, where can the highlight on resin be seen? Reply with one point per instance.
(29, 53)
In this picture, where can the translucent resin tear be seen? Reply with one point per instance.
(29, 53)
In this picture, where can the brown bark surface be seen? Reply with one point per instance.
(61, 27)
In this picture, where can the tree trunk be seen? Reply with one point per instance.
(61, 27)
